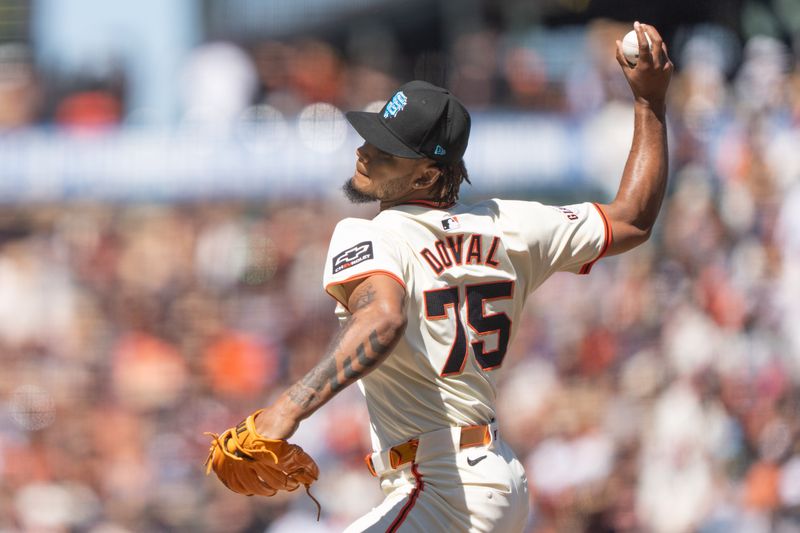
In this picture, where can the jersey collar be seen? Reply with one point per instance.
(427, 203)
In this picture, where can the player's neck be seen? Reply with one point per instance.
(418, 196)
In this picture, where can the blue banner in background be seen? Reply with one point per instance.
(310, 155)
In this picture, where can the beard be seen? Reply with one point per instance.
(355, 196)
(392, 189)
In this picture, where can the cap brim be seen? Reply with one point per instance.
(370, 127)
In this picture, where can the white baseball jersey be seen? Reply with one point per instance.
(467, 271)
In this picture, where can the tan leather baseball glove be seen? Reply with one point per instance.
(250, 464)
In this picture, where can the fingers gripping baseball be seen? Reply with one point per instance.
(645, 54)
(650, 76)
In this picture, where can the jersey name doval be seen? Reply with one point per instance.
(352, 256)
(455, 250)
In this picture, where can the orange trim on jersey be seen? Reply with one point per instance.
(412, 499)
(608, 236)
(360, 276)
(429, 203)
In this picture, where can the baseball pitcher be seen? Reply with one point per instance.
(429, 294)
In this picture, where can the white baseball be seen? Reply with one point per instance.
(630, 46)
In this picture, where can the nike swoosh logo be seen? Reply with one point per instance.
(473, 462)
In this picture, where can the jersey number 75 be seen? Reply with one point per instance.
(436, 303)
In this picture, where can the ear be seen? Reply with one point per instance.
(428, 178)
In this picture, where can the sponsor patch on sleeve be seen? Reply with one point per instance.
(352, 256)
(569, 213)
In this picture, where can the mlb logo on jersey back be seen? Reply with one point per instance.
(352, 256)
(450, 223)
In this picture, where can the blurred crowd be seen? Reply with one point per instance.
(661, 393)
(569, 70)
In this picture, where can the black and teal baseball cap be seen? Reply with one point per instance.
(419, 120)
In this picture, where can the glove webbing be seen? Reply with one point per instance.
(242, 455)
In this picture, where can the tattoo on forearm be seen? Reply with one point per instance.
(376, 345)
(348, 370)
(361, 355)
(364, 360)
(301, 395)
(308, 390)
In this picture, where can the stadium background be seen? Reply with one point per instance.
(170, 179)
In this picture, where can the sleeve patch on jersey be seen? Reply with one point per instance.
(352, 256)
(569, 213)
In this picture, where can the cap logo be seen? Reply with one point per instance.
(395, 105)
(439, 150)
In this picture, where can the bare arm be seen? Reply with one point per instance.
(633, 212)
(377, 304)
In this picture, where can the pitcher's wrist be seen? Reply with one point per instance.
(658, 107)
